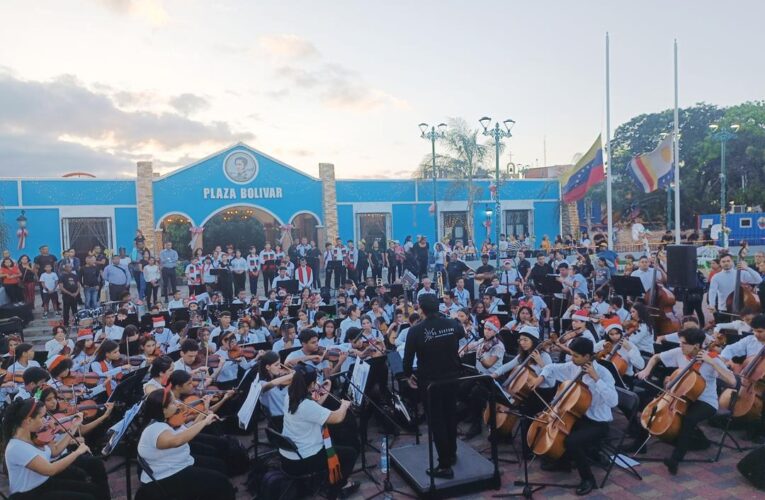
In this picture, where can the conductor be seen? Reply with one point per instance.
(435, 342)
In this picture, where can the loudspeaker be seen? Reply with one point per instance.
(752, 467)
(681, 266)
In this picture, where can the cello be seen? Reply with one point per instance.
(748, 403)
(663, 416)
(549, 429)
(742, 295)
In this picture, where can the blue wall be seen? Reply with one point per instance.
(345, 222)
(78, 192)
(9, 193)
(183, 191)
(546, 220)
(126, 222)
(43, 226)
(382, 190)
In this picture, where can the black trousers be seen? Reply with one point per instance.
(694, 307)
(318, 464)
(198, 483)
(268, 277)
(475, 396)
(336, 268)
(14, 293)
(115, 291)
(151, 294)
(376, 272)
(697, 412)
(70, 307)
(57, 488)
(239, 282)
(585, 435)
(253, 284)
(168, 282)
(443, 420)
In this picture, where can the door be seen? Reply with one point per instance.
(374, 227)
(516, 222)
(83, 233)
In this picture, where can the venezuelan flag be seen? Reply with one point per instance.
(587, 172)
(653, 170)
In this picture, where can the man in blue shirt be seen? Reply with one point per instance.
(168, 258)
(118, 278)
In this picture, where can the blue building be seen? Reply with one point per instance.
(241, 182)
(743, 226)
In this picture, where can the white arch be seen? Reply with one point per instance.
(233, 205)
(318, 220)
(168, 214)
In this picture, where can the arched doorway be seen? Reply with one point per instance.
(240, 226)
(176, 229)
(304, 226)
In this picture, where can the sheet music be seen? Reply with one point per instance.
(359, 381)
(248, 407)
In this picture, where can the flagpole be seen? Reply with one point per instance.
(609, 172)
(676, 157)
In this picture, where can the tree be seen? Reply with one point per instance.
(177, 232)
(699, 157)
(464, 160)
(237, 230)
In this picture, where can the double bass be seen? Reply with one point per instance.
(663, 416)
(748, 401)
(661, 302)
(549, 429)
(742, 295)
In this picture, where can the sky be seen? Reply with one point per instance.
(96, 85)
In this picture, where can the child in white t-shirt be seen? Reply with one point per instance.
(48, 284)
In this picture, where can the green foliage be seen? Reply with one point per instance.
(239, 231)
(700, 160)
(178, 233)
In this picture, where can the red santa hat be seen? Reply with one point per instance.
(55, 361)
(492, 322)
(581, 315)
(158, 321)
(85, 334)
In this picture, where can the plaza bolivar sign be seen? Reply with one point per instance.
(245, 193)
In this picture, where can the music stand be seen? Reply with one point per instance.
(627, 286)
(120, 431)
(291, 286)
(330, 311)
(180, 314)
(286, 352)
(550, 285)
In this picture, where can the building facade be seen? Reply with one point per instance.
(241, 182)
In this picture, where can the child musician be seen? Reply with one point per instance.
(711, 368)
(593, 425)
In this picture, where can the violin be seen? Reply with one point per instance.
(610, 353)
(188, 409)
(87, 407)
(89, 379)
(15, 377)
(238, 352)
(748, 403)
(662, 417)
(549, 429)
(332, 354)
(59, 424)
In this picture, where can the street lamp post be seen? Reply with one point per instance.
(438, 132)
(723, 136)
(497, 133)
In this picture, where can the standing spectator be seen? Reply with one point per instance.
(70, 258)
(101, 261)
(422, 251)
(408, 243)
(28, 279)
(313, 259)
(70, 293)
(11, 276)
(253, 270)
(42, 260)
(151, 277)
(118, 278)
(239, 270)
(363, 262)
(48, 287)
(376, 260)
(168, 259)
(90, 278)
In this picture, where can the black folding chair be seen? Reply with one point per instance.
(152, 490)
(628, 405)
(282, 442)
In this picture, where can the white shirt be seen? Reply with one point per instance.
(17, 367)
(747, 346)
(239, 264)
(113, 332)
(642, 339)
(424, 291)
(229, 370)
(273, 399)
(53, 347)
(18, 454)
(508, 278)
(167, 340)
(604, 395)
(346, 324)
(498, 350)
(164, 463)
(724, 282)
(318, 366)
(675, 358)
(461, 297)
(217, 331)
(740, 326)
(508, 367)
(538, 305)
(49, 280)
(304, 428)
(175, 304)
(151, 273)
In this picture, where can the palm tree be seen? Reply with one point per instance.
(464, 160)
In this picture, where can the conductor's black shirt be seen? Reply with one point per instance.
(435, 342)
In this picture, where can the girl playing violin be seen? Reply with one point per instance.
(580, 327)
(626, 351)
(32, 475)
(25, 354)
(149, 350)
(10, 357)
(168, 454)
(84, 350)
(489, 353)
(104, 364)
(642, 338)
(52, 401)
(579, 302)
(227, 374)
(159, 372)
(274, 380)
(130, 343)
(710, 367)
(59, 343)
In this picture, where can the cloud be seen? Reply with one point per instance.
(188, 104)
(62, 125)
(151, 11)
(338, 87)
(285, 46)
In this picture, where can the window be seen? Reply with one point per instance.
(517, 223)
(374, 227)
(83, 233)
(745, 222)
